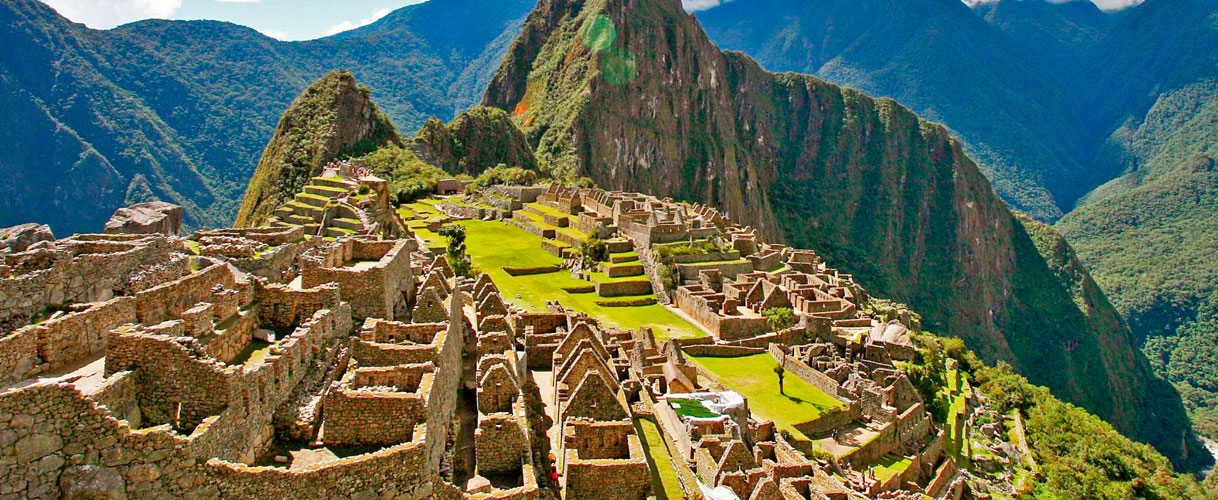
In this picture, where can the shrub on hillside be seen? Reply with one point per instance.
(503, 176)
(410, 178)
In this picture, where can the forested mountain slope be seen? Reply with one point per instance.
(1017, 118)
(180, 111)
(1128, 135)
(634, 95)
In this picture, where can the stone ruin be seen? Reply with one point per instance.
(271, 362)
(345, 200)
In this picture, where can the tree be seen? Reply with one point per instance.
(780, 371)
(780, 318)
(455, 251)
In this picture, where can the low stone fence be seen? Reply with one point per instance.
(729, 269)
(528, 271)
(695, 258)
(623, 288)
(810, 375)
(721, 351)
(400, 471)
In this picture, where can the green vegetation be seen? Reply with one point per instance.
(182, 111)
(690, 408)
(666, 251)
(664, 481)
(455, 250)
(890, 465)
(410, 178)
(502, 175)
(1149, 239)
(780, 318)
(494, 245)
(477, 139)
(753, 377)
(1081, 456)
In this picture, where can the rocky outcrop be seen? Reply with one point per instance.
(633, 95)
(334, 117)
(154, 217)
(475, 140)
(20, 238)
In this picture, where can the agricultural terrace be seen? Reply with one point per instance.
(417, 215)
(493, 245)
(753, 376)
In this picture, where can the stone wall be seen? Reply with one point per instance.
(810, 375)
(623, 288)
(375, 291)
(354, 416)
(500, 443)
(62, 341)
(175, 386)
(283, 307)
(169, 300)
(604, 460)
(723, 327)
(84, 268)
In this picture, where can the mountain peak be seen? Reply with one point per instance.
(635, 96)
(333, 117)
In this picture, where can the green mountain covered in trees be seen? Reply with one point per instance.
(1106, 118)
(864, 181)
(180, 111)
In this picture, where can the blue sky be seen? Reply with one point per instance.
(282, 19)
(294, 19)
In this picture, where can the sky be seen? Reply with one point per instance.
(293, 19)
(282, 19)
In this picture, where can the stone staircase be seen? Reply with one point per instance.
(308, 209)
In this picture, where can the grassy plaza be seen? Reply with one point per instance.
(493, 245)
(753, 377)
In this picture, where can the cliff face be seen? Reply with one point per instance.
(478, 139)
(632, 94)
(335, 116)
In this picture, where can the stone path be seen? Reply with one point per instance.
(545, 386)
(85, 376)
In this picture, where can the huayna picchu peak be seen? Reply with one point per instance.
(334, 118)
(641, 268)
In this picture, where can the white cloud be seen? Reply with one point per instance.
(696, 5)
(1105, 5)
(1111, 5)
(350, 25)
(106, 14)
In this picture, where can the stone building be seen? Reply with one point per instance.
(374, 276)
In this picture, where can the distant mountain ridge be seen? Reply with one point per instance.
(180, 111)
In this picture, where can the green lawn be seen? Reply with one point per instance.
(890, 465)
(690, 408)
(493, 245)
(957, 394)
(753, 376)
(664, 481)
